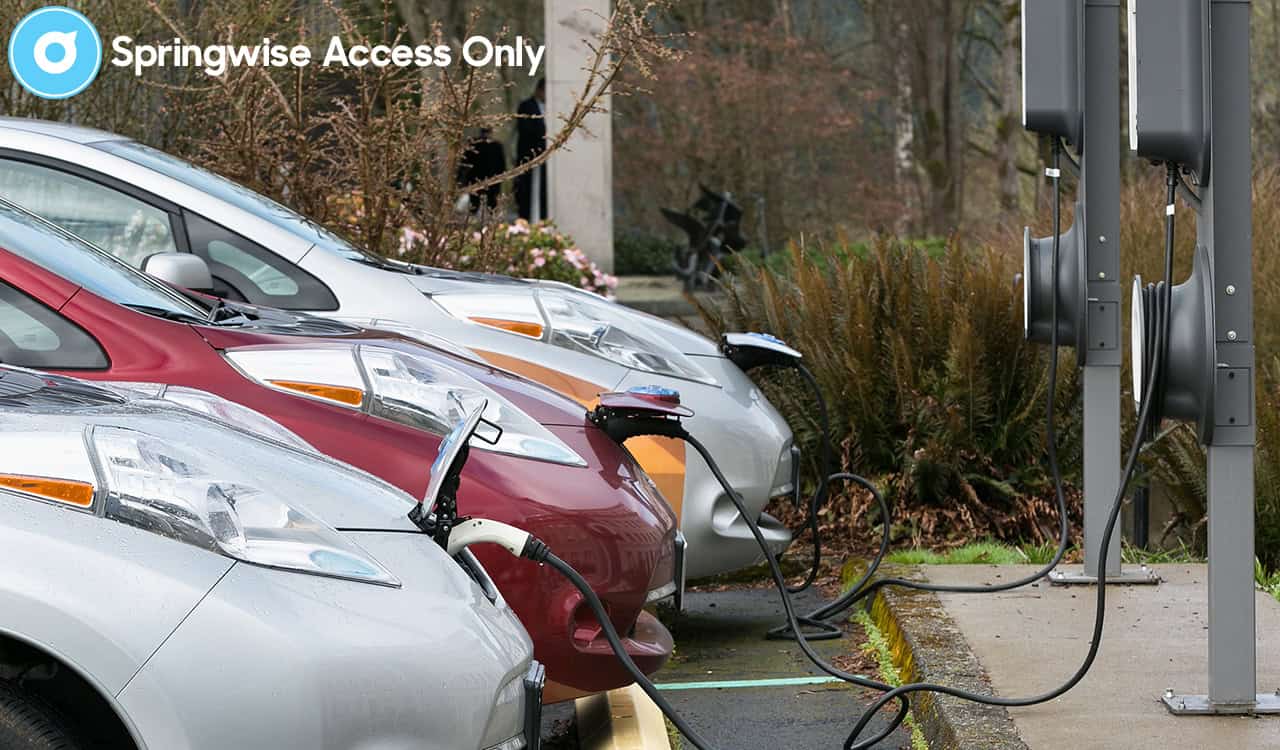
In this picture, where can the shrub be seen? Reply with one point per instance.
(935, 392)
(392, 135)
(539, 251)
(930, 383)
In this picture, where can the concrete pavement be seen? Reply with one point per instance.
(1155, 637)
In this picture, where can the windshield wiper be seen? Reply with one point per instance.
(166, 313)
(217, 317)
(387, 265)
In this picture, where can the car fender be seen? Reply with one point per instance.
(75, 586)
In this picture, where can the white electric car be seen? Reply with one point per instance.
(175, 582)
(143, 206)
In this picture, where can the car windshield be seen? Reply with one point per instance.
(237, 195)
(77, 261)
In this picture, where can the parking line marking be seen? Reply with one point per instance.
(773, 682)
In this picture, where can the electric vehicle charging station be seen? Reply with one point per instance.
(1071, 91)
(1190, 107)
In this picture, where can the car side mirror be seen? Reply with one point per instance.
(182, 270)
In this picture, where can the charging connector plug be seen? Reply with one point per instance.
(484, 531)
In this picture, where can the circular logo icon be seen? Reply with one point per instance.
(55, 52)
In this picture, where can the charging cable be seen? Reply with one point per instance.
(753, 350)
(819, 495)
(1140, 437)
(525, 545)
(857, 594)
(522, 544)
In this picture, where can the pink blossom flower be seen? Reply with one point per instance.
(539, 262)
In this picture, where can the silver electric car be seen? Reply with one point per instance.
(172, 581)
(145, 206)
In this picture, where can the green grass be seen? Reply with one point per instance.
(977, 553)
(877, 646)
(673, 735)
(1139, 556)
(1267, 580)
(999, 553)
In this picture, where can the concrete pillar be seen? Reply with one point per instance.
(580, 177)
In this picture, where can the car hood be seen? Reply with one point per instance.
(542, 404)
(33, 405)
(452, 282)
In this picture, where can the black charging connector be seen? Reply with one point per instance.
(751, 350)
(439, 520)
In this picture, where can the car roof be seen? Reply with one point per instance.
(74, 133)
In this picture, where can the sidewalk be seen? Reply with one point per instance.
(1032, 639)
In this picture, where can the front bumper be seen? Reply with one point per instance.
(285, 660)
(751, 442)
(648, 643)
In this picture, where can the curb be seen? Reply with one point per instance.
(928, 646)
(622, 719)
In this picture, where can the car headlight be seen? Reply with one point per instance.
(216, 407)
(575, 321)
(204, 498)
(404, 388)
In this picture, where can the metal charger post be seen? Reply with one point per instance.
(1226, 228)
(1190, 110)
(1100, 196)
(1071, 93)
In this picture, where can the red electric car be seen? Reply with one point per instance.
(380, 402)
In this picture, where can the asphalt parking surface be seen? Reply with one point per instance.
(721, 653)
(558, 731)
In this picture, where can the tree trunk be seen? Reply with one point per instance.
(935, 87)
(904, 163)
(1008, 126)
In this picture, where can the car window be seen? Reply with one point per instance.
(32, 335)
(267, 279)
(124, 226)
(47, 246)
(244, 270)
(237, 195)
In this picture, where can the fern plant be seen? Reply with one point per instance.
(931, 384)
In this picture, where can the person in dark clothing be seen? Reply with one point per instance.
(531, 140)
(484, 158)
